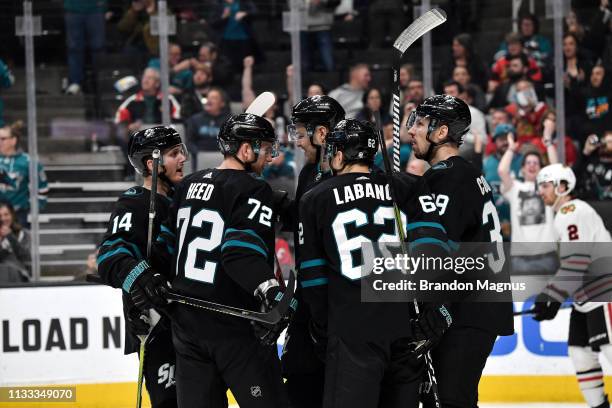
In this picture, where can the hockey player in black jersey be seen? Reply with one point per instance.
(224, 226)
(370, 359)
(122, 259)
(312, 120)
(464, 201)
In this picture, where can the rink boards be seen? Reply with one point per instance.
(73, 335)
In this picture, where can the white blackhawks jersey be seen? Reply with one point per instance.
(585, 250)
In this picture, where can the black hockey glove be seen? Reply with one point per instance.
(545, 307)
(427, 330)
(148, 289)
(269, 295)
(137, 322)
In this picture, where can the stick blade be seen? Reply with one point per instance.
(418, 28)
(261, 104)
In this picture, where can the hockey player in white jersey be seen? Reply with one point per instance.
(584, 275)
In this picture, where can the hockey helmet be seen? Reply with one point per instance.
(315, 111)
(556, 173)
(356, 139)
(246, 127)
(142, 144)
(444, 110)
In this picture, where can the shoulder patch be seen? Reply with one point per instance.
(568, 209)
(133, 191)
(362, 178)
(207, 175)
(445, 164)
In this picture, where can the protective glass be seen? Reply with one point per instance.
(272, 150)
(293, 133)
(178, 149)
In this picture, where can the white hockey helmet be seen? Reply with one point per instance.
(556, 173)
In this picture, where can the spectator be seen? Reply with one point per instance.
(577, 72)
(203, 128)
(280, 172)
(313, 89)
(546, 143)
(85, 26)
(180, 79)
(15, 255)
(593, 168)
(193, 101)
(497, 117)
(462, 76)
(490, 166)
(319, 20)
(502, 60)
(350, 94)
(535, 45)
(248, 94)
(232, 20)
(15, 174)
(416, 91)
(220, 66)
(591, 37)
(385, 21)
(6, 81)
(527, 112)
(464, 55)
(145, 105)
(136, 28)
(348, 10)
(505, 92)
(530, 219)
(372, 103)
(91, 267)
(595, 98)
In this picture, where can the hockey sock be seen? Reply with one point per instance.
(589, 374)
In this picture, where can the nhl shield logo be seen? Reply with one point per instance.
(256, 391)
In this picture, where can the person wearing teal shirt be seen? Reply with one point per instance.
(6, 81)
(15, 174)
(489, 169)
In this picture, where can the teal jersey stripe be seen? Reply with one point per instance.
(422, 241)
(247, 231)
(415, 225)
(312, 263)
(234, 243)
(134, 246)
(314, 282)
(107, 255)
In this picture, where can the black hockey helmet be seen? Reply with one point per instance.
(142, 144)
(356, 139)
(444, 110)
(245, 127)
(315, 111)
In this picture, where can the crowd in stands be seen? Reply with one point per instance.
(510, 93)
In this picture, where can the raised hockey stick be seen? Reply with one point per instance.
(413, 32)
(152, 314)
(261, 104)
(272, 317)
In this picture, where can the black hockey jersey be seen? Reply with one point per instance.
(336, 217)
(124, 245)
(224, 226)
(465, 203)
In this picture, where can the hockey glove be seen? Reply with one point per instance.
(137, 323)
(269, 294)
(427, 330)
(545, 307)
(148, 288)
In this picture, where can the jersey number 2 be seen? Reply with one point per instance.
(206, 273)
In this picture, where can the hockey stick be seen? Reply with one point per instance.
(272, 317)
(143, 338)
(261, 104)
(413, 32)
(533, 311)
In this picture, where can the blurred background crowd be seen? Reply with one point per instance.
(98, 80)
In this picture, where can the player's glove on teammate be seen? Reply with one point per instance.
(269, 296)
(148, 288)
(545, 307)
(427, 330)
(281, 204)
(137, 322)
